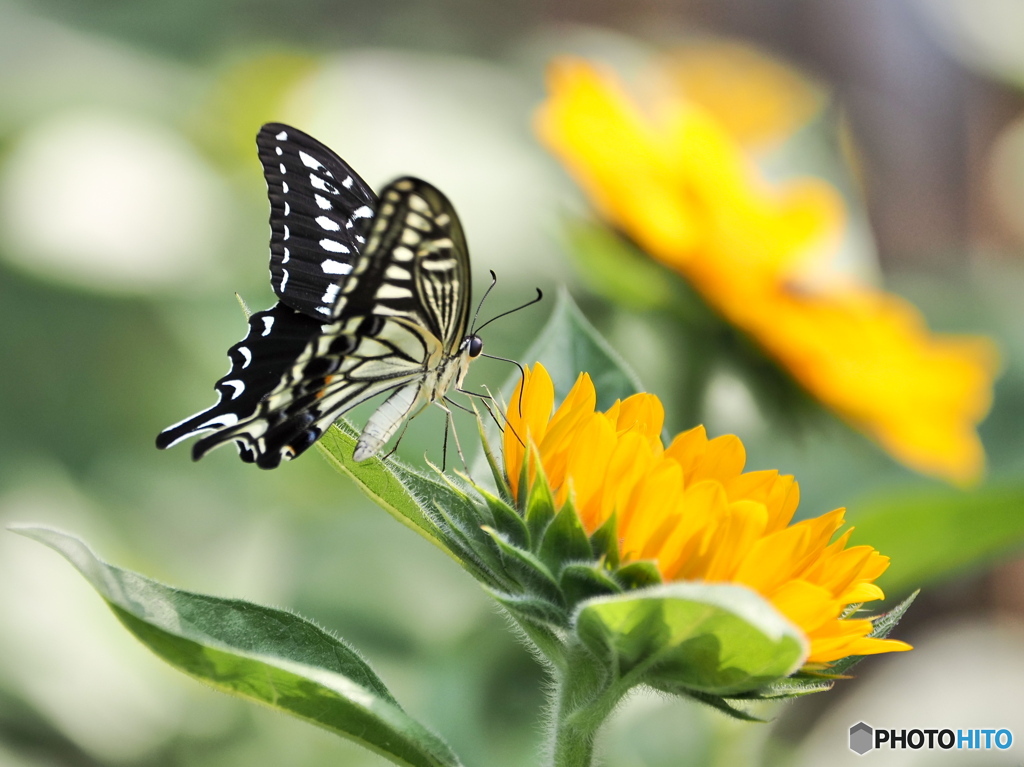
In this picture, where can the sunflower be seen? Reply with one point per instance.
(692, 510)
(673, 180)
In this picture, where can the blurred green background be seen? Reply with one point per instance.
(132, 206)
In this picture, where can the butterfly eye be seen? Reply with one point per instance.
(476, 346)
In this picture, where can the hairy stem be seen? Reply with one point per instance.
(583, 698)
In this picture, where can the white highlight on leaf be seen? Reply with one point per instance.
(237, 385)
(244, 351)
(327, 224)
(331, 293)
(268, 323)
(322, 202)
(330, 266)
(333, 246)
(282, 136)
(309, 161)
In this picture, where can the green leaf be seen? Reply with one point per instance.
(615, 268)
(719, 639)
(410, 496)
(569, 345)
(933, 535)
(379, 480)
(258, 653)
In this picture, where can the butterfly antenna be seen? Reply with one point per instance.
(479, 306)
(540, 296)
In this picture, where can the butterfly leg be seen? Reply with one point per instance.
(398, 441)
(504, 417)
(449, 418)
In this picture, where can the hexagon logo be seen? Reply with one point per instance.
(862, 738)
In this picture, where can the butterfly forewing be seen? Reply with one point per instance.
(398, 324)
(320, 211)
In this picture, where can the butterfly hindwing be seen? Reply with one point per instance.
(320, 210)
(276, 337)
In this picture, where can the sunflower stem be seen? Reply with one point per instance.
(582, 699)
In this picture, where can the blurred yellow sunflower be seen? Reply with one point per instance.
(672, 178)
(692, 510)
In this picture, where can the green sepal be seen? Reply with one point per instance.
(535, 610)
(258, 653)
(717, 639)
(718, 703)
(500, 481)
(506, 521)
(532, 575)
(564, 541)
(540, 502)
(795, 686)
(605, 541)
(580, 581)
(638, 575)
(881, 626)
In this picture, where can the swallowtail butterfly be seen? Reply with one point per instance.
(374, 297)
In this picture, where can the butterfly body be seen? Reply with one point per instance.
(374, 298)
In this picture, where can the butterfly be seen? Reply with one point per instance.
(374, 296)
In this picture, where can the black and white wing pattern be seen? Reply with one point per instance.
(320, 211)
(275, 339)
(398, 323)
